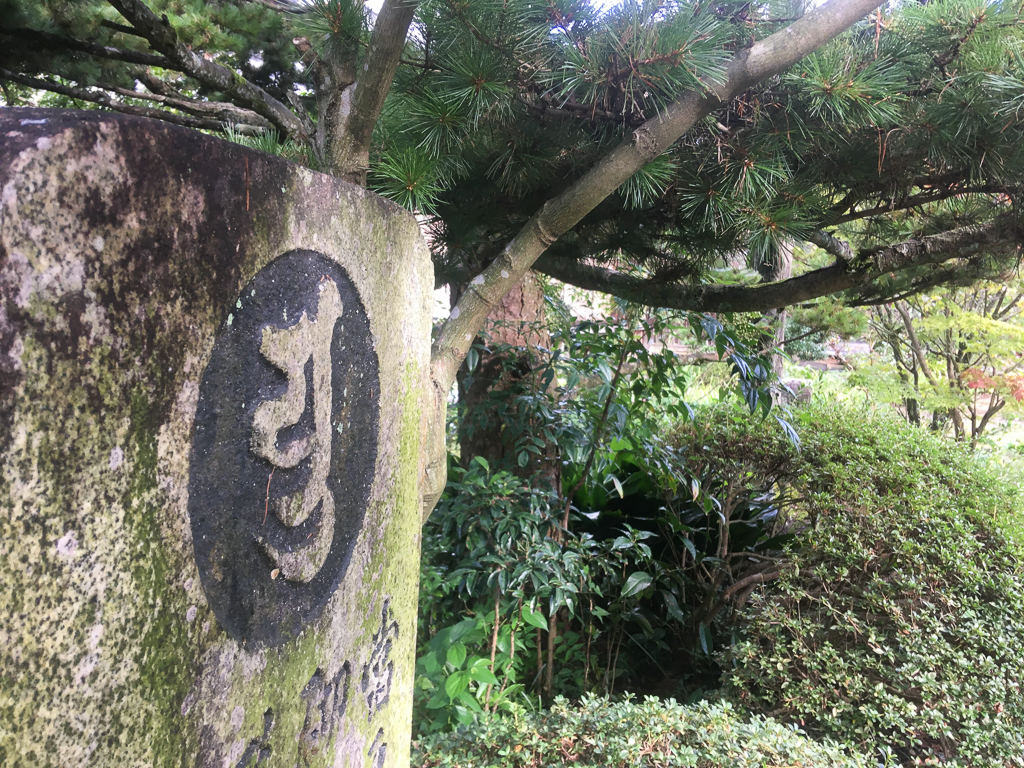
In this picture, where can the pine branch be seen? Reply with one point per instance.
(162, 37)
(999, 236)
(765, 58)
(457, 12)
(104, 99)
(60, 42)
(571, 108)
(349, 146)
(923, 198)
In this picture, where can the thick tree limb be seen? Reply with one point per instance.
(833, 245)
(998, 237)
(750, 581)
(101, 97)
(60, 42)
(162, 37)
(955, 273)
(558, 215)
(349, 142)
(764, 59)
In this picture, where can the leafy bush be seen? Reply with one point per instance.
(898, 620)
(610, 581)
(628, 734)
(803, 343)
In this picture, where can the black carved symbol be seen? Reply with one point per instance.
(259, 750)
(284, 449)
(379, 671)
(379, 749)
(326, 703)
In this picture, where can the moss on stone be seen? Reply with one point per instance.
(109, 654)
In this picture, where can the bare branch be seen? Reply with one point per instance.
(280, 5)
(750, 581)
(163, 38)
(60, 42)
(222, 111)
(103, 98)
(923, 198)
(915, 343)
(119, 27)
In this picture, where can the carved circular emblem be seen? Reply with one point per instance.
(284, 448)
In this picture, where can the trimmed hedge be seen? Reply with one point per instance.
(629, 734)
(898, 621)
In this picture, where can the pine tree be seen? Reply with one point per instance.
(623, 150)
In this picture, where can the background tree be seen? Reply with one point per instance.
(955, 354)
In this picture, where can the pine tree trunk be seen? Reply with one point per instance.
(518, 340)
(776, 268)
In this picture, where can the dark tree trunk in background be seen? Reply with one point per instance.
(516, 323)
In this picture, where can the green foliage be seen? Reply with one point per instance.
(803, 343)
(498, 106)
(487, 547)
(332, 26)
(270, 142)
(954, 352)
(896, 621)
(599, 732)
(623, 567)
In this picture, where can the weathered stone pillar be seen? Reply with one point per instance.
(211, 371)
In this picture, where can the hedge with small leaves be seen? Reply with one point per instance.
(898, 622)
(629, 734)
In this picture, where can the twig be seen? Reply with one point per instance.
(266, 505)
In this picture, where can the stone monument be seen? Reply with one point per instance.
(212, 365)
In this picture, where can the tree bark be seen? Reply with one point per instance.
(358, 108)
(517, 327)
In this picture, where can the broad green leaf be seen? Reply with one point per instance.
(457, 655)
(456, 684)
(467, 698)
(705, 639)
(672, 606)
(637, 582)
(483, 675)
(618, 486)
(534, 618)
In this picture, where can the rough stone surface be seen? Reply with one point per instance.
(128, 252)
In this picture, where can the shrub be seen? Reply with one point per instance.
(899, 618)
(628, 734)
